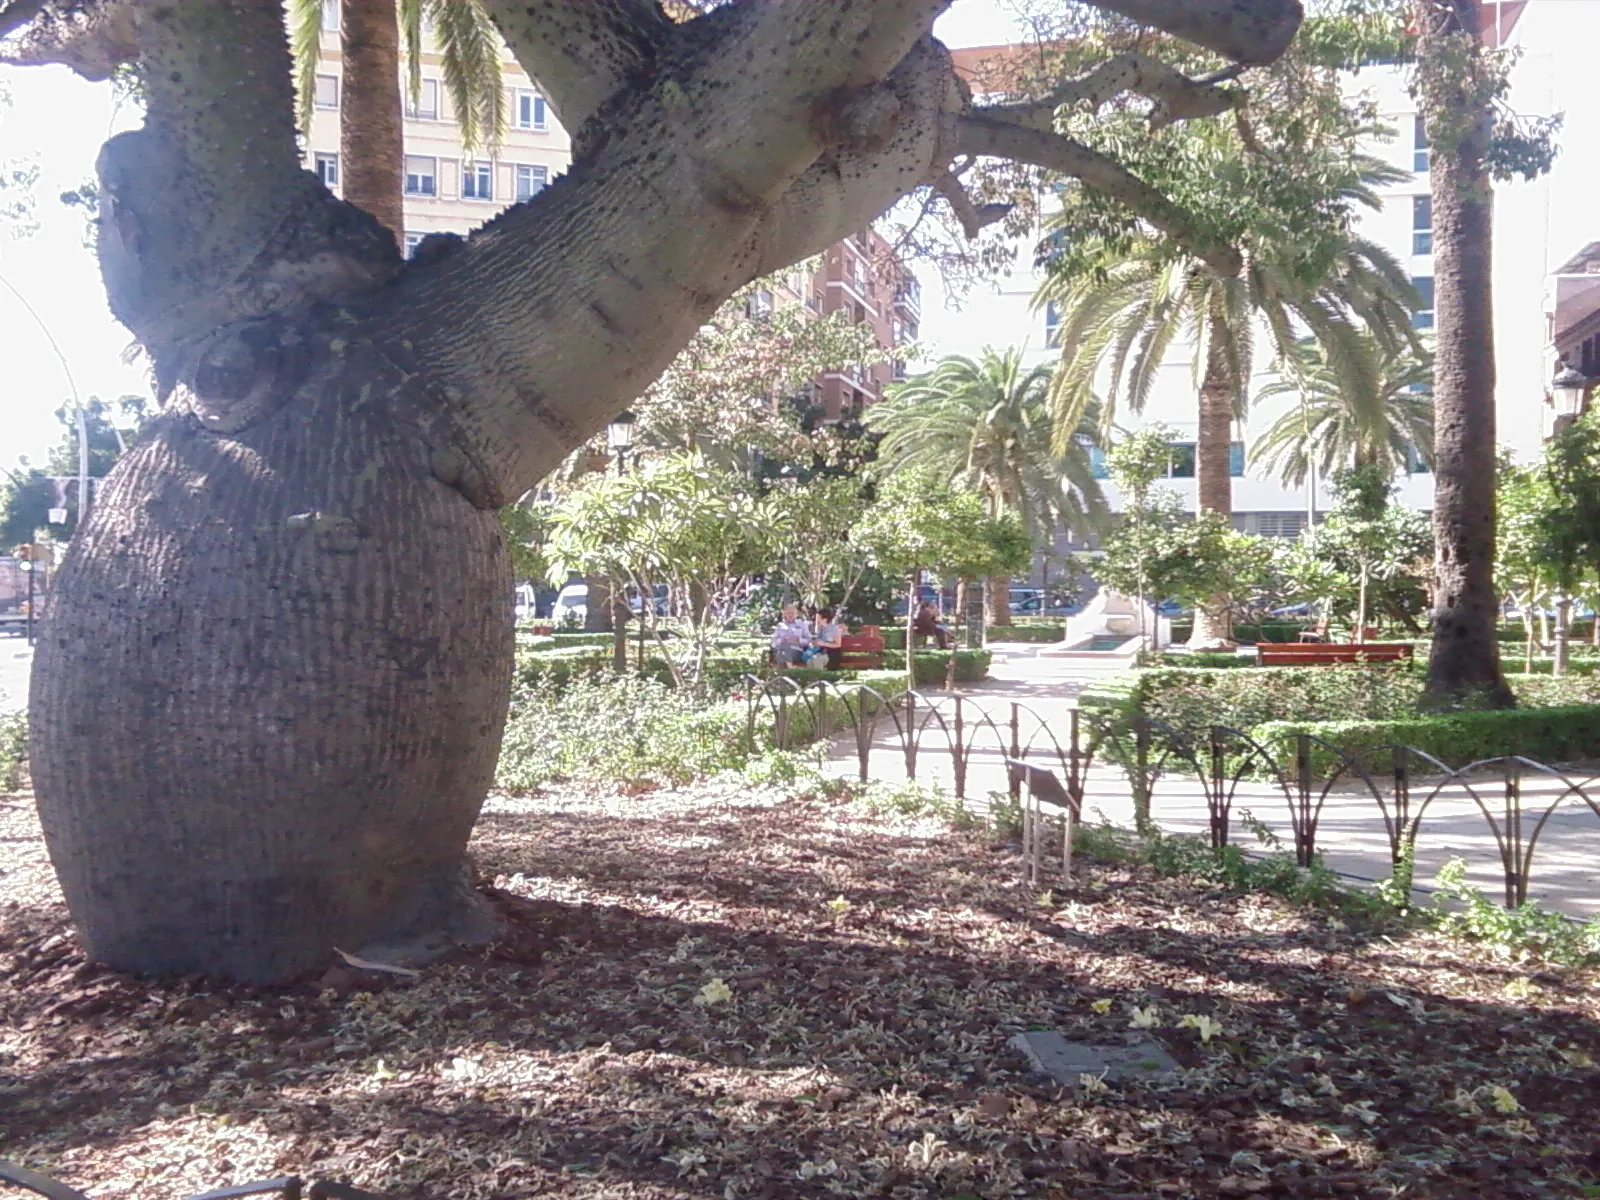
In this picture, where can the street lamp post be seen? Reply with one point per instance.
(27, 569)
(619, 437)
(1568, 390)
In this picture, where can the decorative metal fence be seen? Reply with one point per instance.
(290, 1187)
(1515, 796)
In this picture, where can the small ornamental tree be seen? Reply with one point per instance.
(918, 522)
(698, 529)
(818, 554)
(1367, 555)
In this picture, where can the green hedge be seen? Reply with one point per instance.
(801, 717)
(1266, 631)
(1025, 633)
(1203, 659)
(933, 665)
(1548, 735)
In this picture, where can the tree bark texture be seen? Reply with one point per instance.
(269, 694)
(371, 134)
(997, 591)
(1465, 657)
(1213, 480)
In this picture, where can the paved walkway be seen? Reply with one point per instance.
(16, 660)
(1351, 834)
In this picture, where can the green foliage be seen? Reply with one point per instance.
(681, 521)
(527, 526)
(1213, 661)
(933, 665)
(918, 520)
(26, 493)
(816, 516)
(1243, 698)
(984, 425)
(1331, 425)
(1025, 633)
(1525, 932)
(618, 729)
(1549, 735)
(1368, 556)
(13, 748)
(1572, 470)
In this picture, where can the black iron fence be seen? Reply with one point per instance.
(1050, 760)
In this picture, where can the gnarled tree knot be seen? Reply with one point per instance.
(242, 372)
(861, 118)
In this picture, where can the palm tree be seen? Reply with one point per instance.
(986, 425)
(371, 145)
(1123, 318)
(1329, 427)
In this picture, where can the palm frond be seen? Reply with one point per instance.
(305, 46)
(469, 52)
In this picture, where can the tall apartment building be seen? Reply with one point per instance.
(1002, 314)
(448, 190)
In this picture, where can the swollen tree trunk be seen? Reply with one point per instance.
(269, 692)
(1465, 658)
(1213, 482)
(371, 140)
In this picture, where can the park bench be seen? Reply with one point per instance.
(1316, 654)
(861, 651)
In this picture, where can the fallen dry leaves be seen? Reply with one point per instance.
(719, 993)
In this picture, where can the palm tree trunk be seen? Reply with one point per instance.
(1465, 657)
(1213, 481)
(371, 143)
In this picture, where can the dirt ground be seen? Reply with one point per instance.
(721, 993)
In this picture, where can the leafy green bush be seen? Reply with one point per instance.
(13, 748)
(619, 728)
(1545, 734)
(1190, 699)
(1215, 660)
(555, 669)
(1246, 632)
(1025, 633)
(1528, 931)
(932, 665)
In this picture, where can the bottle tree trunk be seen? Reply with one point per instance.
(371, 138)
(1465, 658)
(1213, 482)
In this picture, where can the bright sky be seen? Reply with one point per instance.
(60, 121)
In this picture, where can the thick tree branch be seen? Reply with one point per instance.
(980, 134)
(1247, 31)
(582, 52)
(1176, 96)
(93, 37)
(972, 218)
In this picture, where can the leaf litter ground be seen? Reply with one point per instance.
(721, 992)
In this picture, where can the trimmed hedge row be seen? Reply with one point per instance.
(1025, 633)
(1549, 735)
(933, 665)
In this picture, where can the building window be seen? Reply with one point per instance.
(1416, 464)
(477, 181)
(1421, 155)
(413, 240)
(814, 302)
(1181, 464)
(326, 92)
(425, 106)
(328, 170)
(758, 303)
(330, 15)
(1422, 224)
(1423, 317)
(897, 370)
(1236, 459)
(1284, 525)
(421, 176)
(531, 181)
(1052, 325)
(530, 111)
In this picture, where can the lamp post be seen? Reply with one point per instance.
(1568, 390)
(619, 438)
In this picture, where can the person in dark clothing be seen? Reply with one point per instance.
(829, 636)
(927, 625)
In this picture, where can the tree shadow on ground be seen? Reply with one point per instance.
(863, 1045)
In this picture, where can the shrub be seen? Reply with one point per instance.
(555, 669)
(1544, 734)
(1215, 660)
(1025, 633)
(1528, 931)
(13, 748)
(932, 665)
(618, 728)
(1190, 699)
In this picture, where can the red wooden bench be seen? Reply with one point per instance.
(860, 651)
(1316, 654)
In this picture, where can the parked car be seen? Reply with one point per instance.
(662, 599)
(571, 606)
(1027, 600)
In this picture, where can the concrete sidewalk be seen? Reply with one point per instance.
(1351, 834)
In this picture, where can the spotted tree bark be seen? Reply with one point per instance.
(268, 699)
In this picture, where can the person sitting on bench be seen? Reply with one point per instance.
(829, 637)
(927, 625)
(790, 639)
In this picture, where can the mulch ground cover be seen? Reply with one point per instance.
(727, 993)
